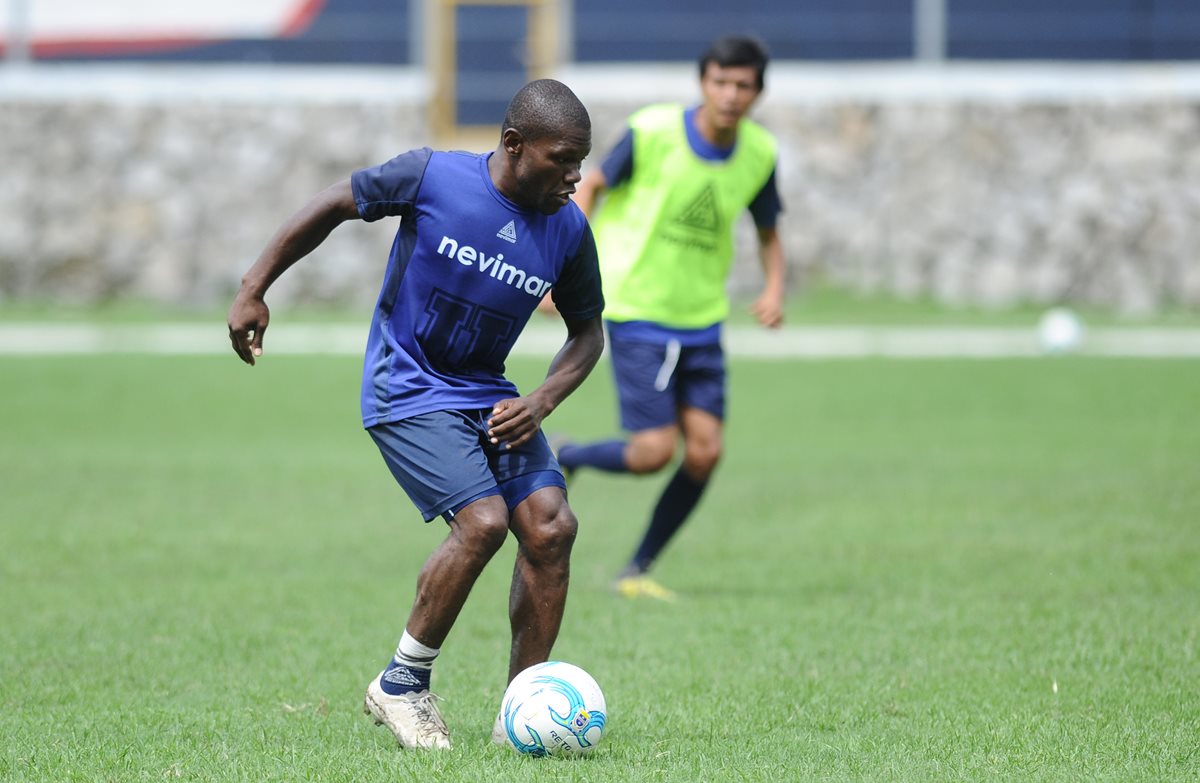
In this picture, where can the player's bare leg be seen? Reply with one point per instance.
(702, 442)
(545, 528)
(645, 451)
(648, 451)
(476, 533)
(702, 433)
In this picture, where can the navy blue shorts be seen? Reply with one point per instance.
(444, 461)
(655, 380)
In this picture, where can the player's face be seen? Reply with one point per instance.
(728, 92)
(548, 169)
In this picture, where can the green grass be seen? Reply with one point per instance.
(824, 304)
(918, 570)
(819, 304)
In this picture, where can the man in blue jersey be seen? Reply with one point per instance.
(481, 241)
(674, 187)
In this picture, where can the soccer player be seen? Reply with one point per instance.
(675, 184)
(481, 240)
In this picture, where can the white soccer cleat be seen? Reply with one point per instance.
(413, 718)
(499, 735)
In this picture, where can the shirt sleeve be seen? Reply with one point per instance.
(618, 164)
(577, 293)
(390, 189)
(767, 205)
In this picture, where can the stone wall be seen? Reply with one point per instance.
(994, 205)
(1087, 193)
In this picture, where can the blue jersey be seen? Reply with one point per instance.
(466, 270)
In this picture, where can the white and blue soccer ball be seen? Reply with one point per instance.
(553, 709)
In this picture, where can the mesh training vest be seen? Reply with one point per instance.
(665, 236)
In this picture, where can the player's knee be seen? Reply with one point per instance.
(550, 537)
(702, 457)
(486, 531)
(648, 455)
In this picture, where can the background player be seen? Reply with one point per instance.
(481, 239)
(676, 183)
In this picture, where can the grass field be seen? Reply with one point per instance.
(816, 303)
(907, 570)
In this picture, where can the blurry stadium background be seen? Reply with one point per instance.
(973, 153)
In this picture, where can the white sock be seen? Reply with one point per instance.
(412, 653)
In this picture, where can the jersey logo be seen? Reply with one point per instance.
(495, 266)
(702, 213)
(459, 334)
(508, 233)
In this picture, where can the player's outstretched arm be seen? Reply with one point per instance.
(297, 237)
(515, 421)
(768, 307)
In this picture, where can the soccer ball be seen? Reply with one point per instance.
(553, 709)
(1060, 331)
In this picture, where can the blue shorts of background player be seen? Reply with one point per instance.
(655, 380)
(444, 461)
(669, 383)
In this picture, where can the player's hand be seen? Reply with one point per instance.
(514, 421)
(248, 319)
(768, 309)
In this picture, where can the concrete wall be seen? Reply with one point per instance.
(985, 185)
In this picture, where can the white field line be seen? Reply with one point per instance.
(816, 342)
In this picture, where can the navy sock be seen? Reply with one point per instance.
(398, 678)
(680, 496)
(606, 455)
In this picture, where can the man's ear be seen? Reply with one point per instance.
(513, 141)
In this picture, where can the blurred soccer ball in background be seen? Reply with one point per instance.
(1060, 331)
(552, 709)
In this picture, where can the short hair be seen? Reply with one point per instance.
(545, 107)
(733, 50)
